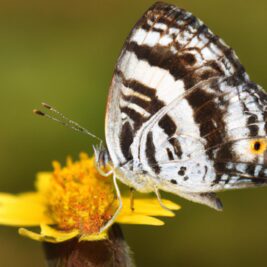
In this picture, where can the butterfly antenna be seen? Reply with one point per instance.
(63, 120)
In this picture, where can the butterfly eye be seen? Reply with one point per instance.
(258, 146)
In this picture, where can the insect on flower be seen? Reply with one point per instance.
(182, 114)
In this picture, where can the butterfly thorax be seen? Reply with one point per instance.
(137, 179)
(129, 173)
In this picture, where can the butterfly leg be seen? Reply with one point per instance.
(117, 212)
(98, 156)
(132, 198)
(160, 200)
(101, 172)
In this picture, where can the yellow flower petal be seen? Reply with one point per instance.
(43, 181)
(26, 209)
(139, 219)
(78, 201)
(49, 234)
(59, 236)
(150, 207)
(170, 205)
(94, 237)
(31, 235)
(144, 209)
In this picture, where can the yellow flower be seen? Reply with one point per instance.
(72, 201)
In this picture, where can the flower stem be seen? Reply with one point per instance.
(113, 252)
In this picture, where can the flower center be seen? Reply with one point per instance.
(79, 197)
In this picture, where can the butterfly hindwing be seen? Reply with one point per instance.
(181, 110)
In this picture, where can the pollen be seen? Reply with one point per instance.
(80, 198)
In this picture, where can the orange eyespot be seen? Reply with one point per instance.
(258, 146)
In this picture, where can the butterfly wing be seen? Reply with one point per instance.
(231, 119)
(180, 100)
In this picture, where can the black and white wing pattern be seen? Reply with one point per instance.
(182, 114)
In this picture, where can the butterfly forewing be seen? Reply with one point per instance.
(181, 107)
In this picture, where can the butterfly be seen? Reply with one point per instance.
(182, 114)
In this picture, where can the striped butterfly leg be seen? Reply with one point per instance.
(132, 198)
(209, 199)
(117, 212)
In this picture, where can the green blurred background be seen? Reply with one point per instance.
(64, 52)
